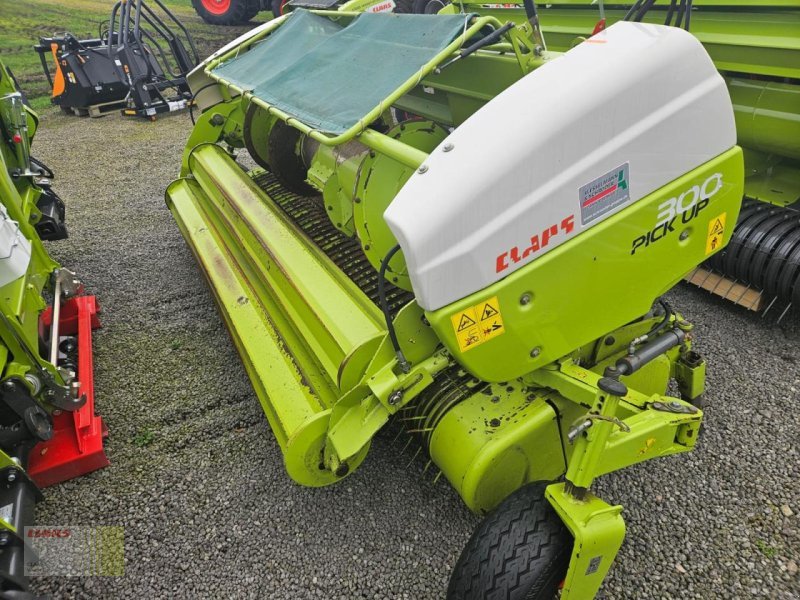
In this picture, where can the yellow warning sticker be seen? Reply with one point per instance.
(478, 324)
(716, 231)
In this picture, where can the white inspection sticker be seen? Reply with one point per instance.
(604, 194)
(7, 513)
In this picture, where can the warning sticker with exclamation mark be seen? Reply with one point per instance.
(478, 324)
(716, 233)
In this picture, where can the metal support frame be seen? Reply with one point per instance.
(374, 140)
(76, 447)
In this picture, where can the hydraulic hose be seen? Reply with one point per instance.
(633, 9)
(663, 323)
(385, 308)
(648, 4)
(670, 12)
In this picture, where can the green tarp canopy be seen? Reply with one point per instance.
(329, 76)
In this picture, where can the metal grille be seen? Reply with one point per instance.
(310, 216)
(450, 387)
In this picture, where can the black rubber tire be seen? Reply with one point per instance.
(428, 7)
(275, 7)
(520, 551)
(253, 10)
(240, 11)
(403, 7)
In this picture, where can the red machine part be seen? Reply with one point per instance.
(599, 26)
(76, 447)
(217, 7)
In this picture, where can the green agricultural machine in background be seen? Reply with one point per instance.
(457, 230)
(48, 430)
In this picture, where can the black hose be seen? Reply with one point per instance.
(679, 17)
(43, 168)
(385, 308)
(670, 12)
(191, 100)
(530, 11)
(632, 10)
(648, 4)
(668, 312)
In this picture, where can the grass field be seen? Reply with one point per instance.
(23, 22)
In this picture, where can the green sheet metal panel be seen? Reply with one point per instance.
(751, 38)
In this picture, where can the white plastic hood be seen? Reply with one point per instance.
(564, 148)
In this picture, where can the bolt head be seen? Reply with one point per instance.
(536, 352)
(448, 146)
(525, 299)
(684, 234)
(422, 169)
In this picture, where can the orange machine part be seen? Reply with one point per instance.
(58, 80)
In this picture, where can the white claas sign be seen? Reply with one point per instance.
(386, 6)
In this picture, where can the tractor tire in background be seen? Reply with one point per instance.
(227, 12)
(428, 7)
(276, 6)
(521, 548)
(403, 7)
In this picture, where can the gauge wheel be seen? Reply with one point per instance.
(520, 551)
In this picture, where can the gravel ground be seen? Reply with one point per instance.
(197, 479)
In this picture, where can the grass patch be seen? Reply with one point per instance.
(766, 549)
(144, 438)
(23, 23)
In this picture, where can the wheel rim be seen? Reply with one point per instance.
(434, 7)
(217, 7)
